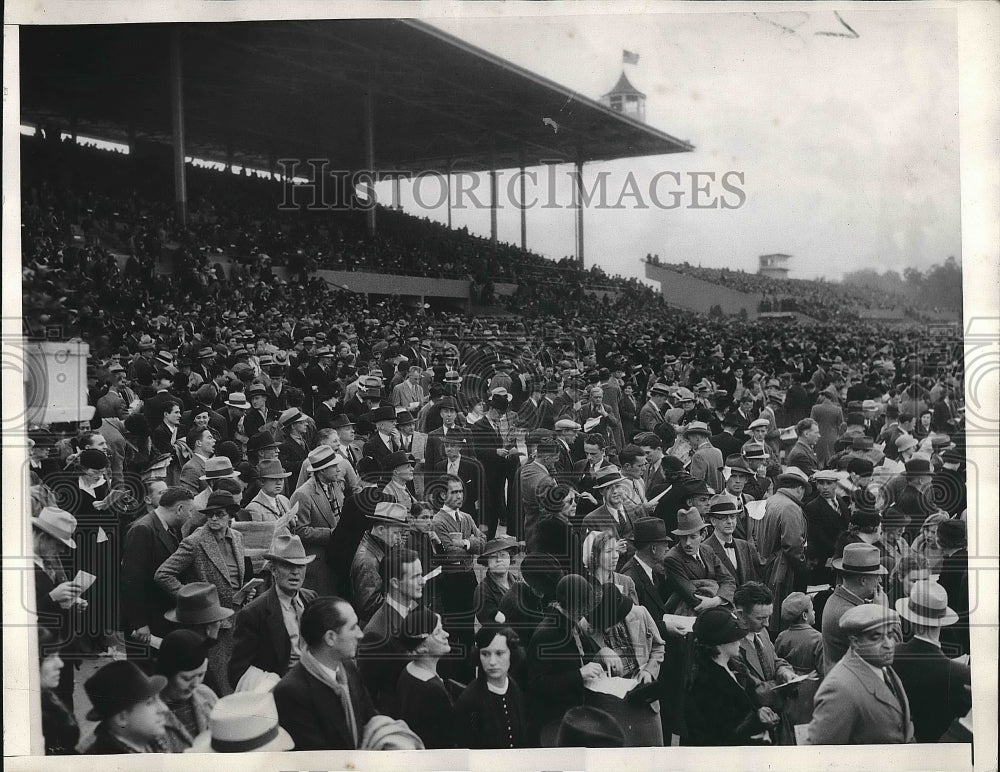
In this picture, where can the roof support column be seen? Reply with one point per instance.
(493, 196)
(177, 111)
(578, 182)
(447, 185)
(524, 210)
(395, 194)
(370, 157)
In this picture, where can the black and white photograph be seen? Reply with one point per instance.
(516, 382)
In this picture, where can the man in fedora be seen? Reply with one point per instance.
(257, 417)
(151, 540)
(740, 474)
(388, 525)
(415, 443)
(938, 688)
(827, 516)
(434, 450)
(456, 463)
(915, 500)
(860, 570)
(706, 460)
(651, 413)
(127, 706)
(202, 445)
(270, 503)
(294, 448)
(953, 538)
(701, 580)
(738, 555)
(781, 539)
(493, 448)
(861, 700)
(382, 443)
(266, 633)
(611, 515)
(236, 407)
(322, 701)
(349, 447)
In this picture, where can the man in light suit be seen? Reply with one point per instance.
(803, 455)
(320, 500)
(434, 446)
(706, 459)
(534, 479)
(202, 444)
(266, 633)
(862, 701)
(651, 413)
(455, 463)
(737, 555)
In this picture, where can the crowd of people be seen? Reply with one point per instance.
(300, 520)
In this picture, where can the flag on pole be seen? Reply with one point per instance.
(629, 58)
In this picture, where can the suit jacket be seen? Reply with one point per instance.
(554, 664)
(260, 638)
(443, 524)
(649, 417)
(706, 464)
(381, 658)
(198, 559)
(470, 470)
(312, 713)
(160, 435)
(191, 472)
(761, 672)
(781, 537)
(434, 447)
(534, 480)
(935, 687)
(804, 457)
(835, 643)
(748, 563)
(854, 706)
(366, 578)
(684, 567)
(651, 594)
(315, 521)
(824, 523)
(261, 510)
(830, 419)
(728, 444)
(720, 710)
(292, 455)
(601, 519)
(147, 545)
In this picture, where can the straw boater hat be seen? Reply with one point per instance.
(860, 558)
(238, 400)
(927, 605)
(243, 722)
(57, 523)
(321, 457)
(290, 416)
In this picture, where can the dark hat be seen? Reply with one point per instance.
(501, 544)
(671, 464)
(861, 442)
(576, 596)
(92, 458)
(648, 530)
(584, 727)
(118, 686)
(261, 440)
(403, 418)
(734, 419)
(197, 603)
(895, 518)
(447, 403)
(860, 558)
(418, 624)
(220, 500)
(695, 486)
(256, 390)
(541, 572)
(737, 463)
(717, 626)
(180, 650)
(137, 424)
(917, 466)
(399, 458)
(341, 421)
(689, 521)
(860, 466)
(382, 413)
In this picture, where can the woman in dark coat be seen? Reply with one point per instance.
(424, 702)
(492, 711)
(496, 556)
(59, 726)
(719, 709)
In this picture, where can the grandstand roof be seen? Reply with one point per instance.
(296, 89)
(624, 86)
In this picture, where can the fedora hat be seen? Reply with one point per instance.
(447, 403)
(382, 413)
(398, 459)
(197, 603)
(390, 513)
(697, 427)
(493, 546)
(722, 506)
(271, 468)
(146, 343)
(341, 421)
(607, 476)
(243, 722)
(256, 390)
(860, 558)
(321, 457)
(452, 376)
(57, 523)
(206, 352)
(290, 416)
(927, 605)
(584, 727)
(502, 393)
(239, 400)
(404, 418)
(223, 500)
(649, 530)
(734, 419)
(695, 486)
(286, 548)
(118, 686)
(739, 465)
(261, 440)
(688, 522)
(917, 467)
(219, 467)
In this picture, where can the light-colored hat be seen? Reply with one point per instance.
(760, 423)
(793, 476)
(243, 722)
(826, 475)
(697, 427)
(567, 423)
(688, 522)
(905, 442)
(239, 400)
(219, 467)
(860, 558)
(321, 457)
(271, 468)
(867, 616)
(927, 605)
(286, 548)
(57, 523)
(607, 476)
(390, 513)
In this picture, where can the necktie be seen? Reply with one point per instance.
(764, 663)
(888, 683)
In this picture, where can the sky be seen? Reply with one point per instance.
(848, 146)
